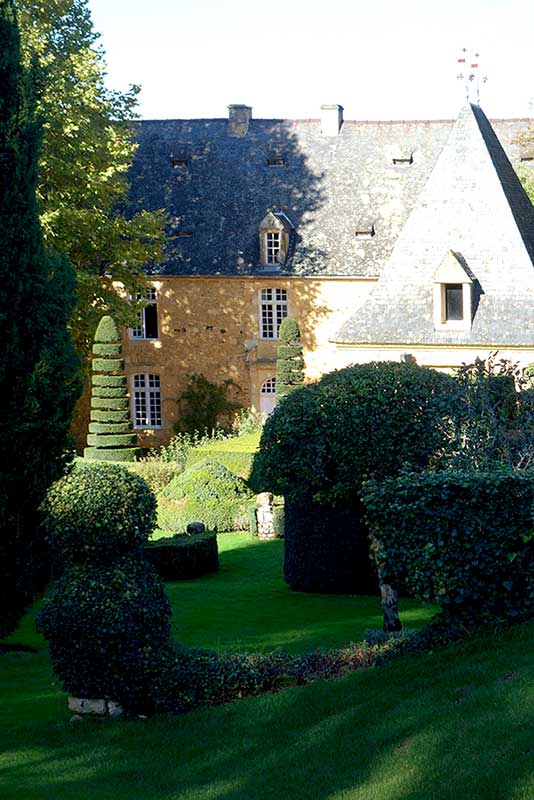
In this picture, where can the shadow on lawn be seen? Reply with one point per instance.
(451, 725)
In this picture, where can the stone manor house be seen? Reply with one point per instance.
(385, 240)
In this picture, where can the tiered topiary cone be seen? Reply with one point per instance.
(289, 364)
(110, 431)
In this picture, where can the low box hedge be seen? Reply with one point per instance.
(185, 555)
(237, 462)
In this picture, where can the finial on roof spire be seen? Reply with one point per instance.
(469, 64)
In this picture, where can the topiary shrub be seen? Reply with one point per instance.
(462, 540)
(322, 442)
(289, 364)
(185, 555)
(107, 614)
(110, 435)
(209, 493)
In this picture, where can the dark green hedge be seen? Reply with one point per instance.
(96, 512)
(321, 442)
(185, 555)
(462, 540)
(111, 439)
(113, 381)
(108, 364)
(326, 549)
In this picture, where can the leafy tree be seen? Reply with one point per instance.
(87, 150)
(205, 406)
(39, 371)
(289, 364)
(110, 435)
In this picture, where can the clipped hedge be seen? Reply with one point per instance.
(462, 540)
(111, 439)
(106, 349)
(97, 415)
(185, 555)
(108, 364)
(106, 427)
(111, 404)
(237, 462)
(156, 474)
(96, 512)
(107, 391)
(125, 454)
(321, 442)
(208, 493)
(113, 381)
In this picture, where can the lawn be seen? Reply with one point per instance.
(450, 725)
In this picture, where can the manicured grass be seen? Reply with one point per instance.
(445, 726)
(247, 605)
(246, 443)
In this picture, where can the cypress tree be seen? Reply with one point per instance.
(289, 364)
(110, 431)
(39, 371)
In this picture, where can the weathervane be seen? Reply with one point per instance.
(470, 74)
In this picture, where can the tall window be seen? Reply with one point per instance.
(146, 401)
(273, 309)
(272, 247)
(147, 319)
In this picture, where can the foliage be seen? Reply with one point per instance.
(463, 540)
(98, 511)
(246, 421)
(206, 492)
(492, 425)
(156, 474)
(39, 373)
(185, 555)
(289, 364)
(108, 613)
(205, 406)
(322, 442)
(88, 147)
(109, 439)
(368, 419)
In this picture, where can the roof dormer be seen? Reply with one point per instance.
(453, 294)
(275, 231)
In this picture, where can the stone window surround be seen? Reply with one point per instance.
(273, 308)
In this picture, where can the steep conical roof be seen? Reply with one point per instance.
(473, 205)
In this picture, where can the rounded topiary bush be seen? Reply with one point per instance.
(322, 442)
(104, 624)
(207, 492)
(96, 512)
(108, 613)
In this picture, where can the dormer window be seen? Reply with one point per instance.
(275, 232)
(272, 247)
(453, 294)
(276, 161)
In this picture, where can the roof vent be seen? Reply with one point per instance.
(239, 117)
(331, 119)
(403, 160)
(276, 161)
(365, 233)
(180, 163)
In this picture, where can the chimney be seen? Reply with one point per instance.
(238, 119)
(331, 119)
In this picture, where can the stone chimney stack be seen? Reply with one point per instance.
(239, 117)
(331, 119)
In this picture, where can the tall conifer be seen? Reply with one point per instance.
(39, 372)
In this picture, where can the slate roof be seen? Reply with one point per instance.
(474, 205)
(329, 188)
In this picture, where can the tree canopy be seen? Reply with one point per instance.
(88, 147)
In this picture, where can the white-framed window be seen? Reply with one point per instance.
(147, 318)
(146, 401)
(272, 247)
(453, 302)
(268, 396)
(273, 309)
